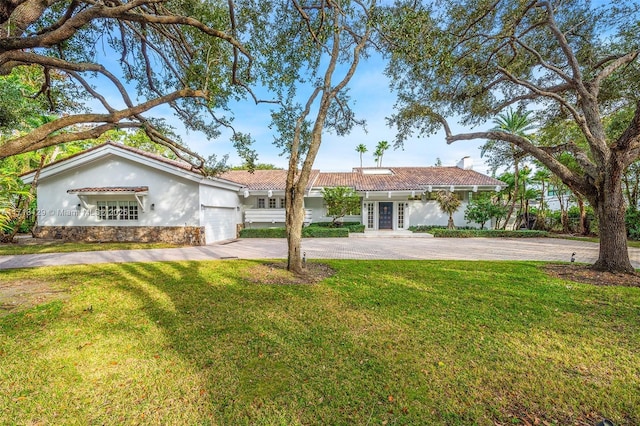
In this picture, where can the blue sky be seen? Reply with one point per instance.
(374, 101)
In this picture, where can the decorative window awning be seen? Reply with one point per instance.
(137, 191)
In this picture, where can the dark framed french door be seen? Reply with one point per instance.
(385, 215)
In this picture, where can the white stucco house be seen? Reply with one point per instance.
(117, 193)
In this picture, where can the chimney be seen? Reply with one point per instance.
(465, 164)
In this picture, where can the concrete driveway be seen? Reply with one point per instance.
(340, 248)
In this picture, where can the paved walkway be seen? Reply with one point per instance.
(546, 249)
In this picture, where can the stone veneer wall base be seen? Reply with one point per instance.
(184, 235)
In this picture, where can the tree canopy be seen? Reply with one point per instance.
(571, 60)
(100, 66)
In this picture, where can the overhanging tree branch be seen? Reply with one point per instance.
(45, 135)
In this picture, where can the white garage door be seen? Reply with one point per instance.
(219, 223)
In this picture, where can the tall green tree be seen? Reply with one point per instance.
(313, 53)
(361, 149)
(340, 201)
(482, 208)
(504, 154)
(476, 59)
(184, 55)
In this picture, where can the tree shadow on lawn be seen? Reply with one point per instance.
(263, 352)
(198, 342)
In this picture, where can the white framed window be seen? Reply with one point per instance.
(282, 205)
(261, 203)
(272, 203)
(400, 215)
(117, 210)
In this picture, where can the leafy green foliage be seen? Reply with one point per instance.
(263, 233)
(11, 191)
(19, 112)
(632, 221)
(482, 208)
(341, 201)
(127, 60)
(487, 233)
(320, 232)
(501, 153)
(351, 226)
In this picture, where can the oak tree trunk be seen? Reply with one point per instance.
(610, 207)
(295, 221)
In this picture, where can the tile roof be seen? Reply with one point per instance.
(262, 180)
(399, 178)
(415, 178)
(108, 189)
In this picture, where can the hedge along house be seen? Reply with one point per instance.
(116, 193)
(393, 198)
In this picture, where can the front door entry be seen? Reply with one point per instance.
(385, 216)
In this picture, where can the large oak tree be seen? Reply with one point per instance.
(563, 59)
(106, 64)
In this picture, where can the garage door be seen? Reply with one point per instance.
(219, 223)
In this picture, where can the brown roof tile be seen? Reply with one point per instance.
(405, 178)
(262, 180)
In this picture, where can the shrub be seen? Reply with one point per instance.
(263, 233)
(356, 228)
(308, 232)
(320, 232)
(351, 226)
(488, 233)
(429, 228)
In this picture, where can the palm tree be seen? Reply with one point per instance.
(505, 154)
(380, 149)
(361, 149)
(448, 203)
(377, 157)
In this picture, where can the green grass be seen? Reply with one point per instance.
(630, 243)
(68, 247)
(381, 342)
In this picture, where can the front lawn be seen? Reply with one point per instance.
(40, 246)
(380, 342)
